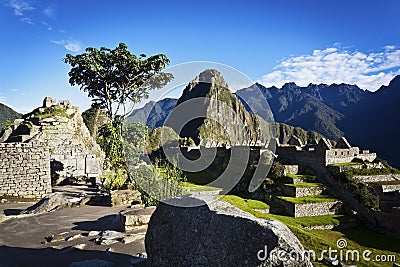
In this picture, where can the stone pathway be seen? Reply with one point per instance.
(68, 235)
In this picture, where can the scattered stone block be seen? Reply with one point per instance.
(110, 235)
(125, 197)
(130, 219)
(132, 238)
(56, 238)
(94, 233)
(74, 237)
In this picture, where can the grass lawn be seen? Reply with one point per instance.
(301, 176)
(359, 238)
(199, 178)
(309, 199)
(345, 164)
(305, 185)
(191, 187)
(245, 203)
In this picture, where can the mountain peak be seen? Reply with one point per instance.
(290, 86)
(395, 81)
(208, 83)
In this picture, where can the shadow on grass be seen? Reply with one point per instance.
(368, 238)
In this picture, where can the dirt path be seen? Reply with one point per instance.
(23, 243)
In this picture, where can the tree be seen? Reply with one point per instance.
(115, 77)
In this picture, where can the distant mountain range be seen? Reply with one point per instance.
(153, 114)
(367, 119)
(7, 114)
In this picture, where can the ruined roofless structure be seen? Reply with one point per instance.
(321, 154)
(45, 147)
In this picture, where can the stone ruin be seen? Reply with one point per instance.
(321, 154)
(58, 128)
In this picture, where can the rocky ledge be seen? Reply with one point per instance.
(194, 231)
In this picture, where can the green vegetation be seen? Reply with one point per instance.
(359, 238)
(94, 118)
(308, 199)
(245, 204)
(364, 193)
(301, 176)
(199, 178)
(277, 171)
(7, 115)
(345, 164)
(365, 172)
(157, 182)
(394, 182)
(284, 130)
(52, 112)
(305, 185)
(160, 137)
(114, 180)
(191, 187)
(113, 77)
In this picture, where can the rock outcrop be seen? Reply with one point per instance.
(222, 118)
(193, 233)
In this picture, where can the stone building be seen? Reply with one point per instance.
(321, 154)
(59, 127)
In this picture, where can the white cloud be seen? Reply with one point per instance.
(27, 20)
(20, 7)
(337, 65)
(49, 12)
(50, 28)
(69, 45)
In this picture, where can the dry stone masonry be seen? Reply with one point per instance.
(48, 145)
(24, 170)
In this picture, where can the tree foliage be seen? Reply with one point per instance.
(116, 77)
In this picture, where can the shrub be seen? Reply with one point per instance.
(277, 171)
(114, 180)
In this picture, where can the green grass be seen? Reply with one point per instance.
(53, 111)
(308, 199)
(305, 185)
(324, 220)
(345, 164)
(301, 176)
(359, 238)
(191, 187)
(199, 178)
(245, 204)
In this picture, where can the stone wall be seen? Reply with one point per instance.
(303, 158)
(290, 169)
(293, 191)
(339, 155)
(24, 170)
(311, 209)
(377, 178)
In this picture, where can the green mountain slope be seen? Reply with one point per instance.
(7, 114)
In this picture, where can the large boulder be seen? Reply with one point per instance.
(193, 231)
(49, 203)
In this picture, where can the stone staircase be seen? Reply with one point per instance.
(303, 196)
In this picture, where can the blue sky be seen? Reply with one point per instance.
(270, 41)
